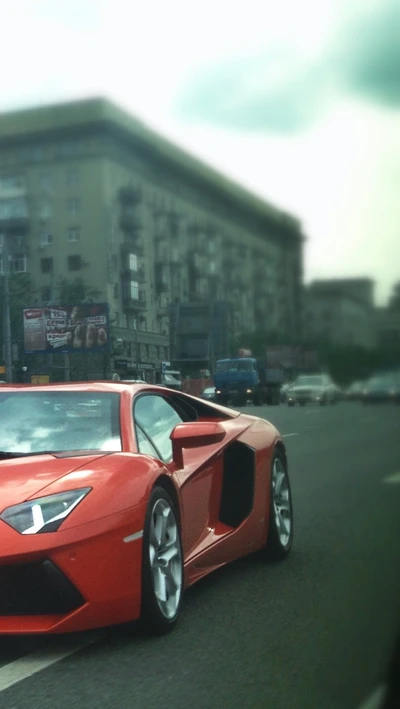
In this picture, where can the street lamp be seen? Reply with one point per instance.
(6, 306)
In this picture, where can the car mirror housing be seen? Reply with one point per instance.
(194, 435)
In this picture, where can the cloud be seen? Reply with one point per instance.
(274, 90)
(371, 57)
(279, 90)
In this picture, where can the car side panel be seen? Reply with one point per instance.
(208, 543)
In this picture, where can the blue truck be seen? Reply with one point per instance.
(243, 378)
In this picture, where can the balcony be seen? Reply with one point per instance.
(128, 274)
(130, 223)
(130, 302)
(132, 246)
(161, 286)
(129, 196)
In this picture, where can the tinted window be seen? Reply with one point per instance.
(157, 419)
(36, 421)
(144, 444)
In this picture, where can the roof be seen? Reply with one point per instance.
(85, 113)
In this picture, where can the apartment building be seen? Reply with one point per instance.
(341, 311)
(88, 191)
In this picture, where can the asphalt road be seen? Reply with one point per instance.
(314, 632)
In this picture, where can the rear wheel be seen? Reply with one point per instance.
(280, 532)
(162, 567)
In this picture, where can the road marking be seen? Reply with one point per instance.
(392, 479)
(375, 700)
(39, 660)
(133, 537)
(286, 435)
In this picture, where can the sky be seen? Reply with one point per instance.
(298, 101)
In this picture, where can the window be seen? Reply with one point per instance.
(74, 234)
(156, 418)
(16, 242)
(73, 205)
(38, 153)
(133, 262)
(45, 181)
(12, 182)
(74, 263)
(46, 294)
(18, 264)
(45, 211)
(39, 419)
(46, 265)
(144, 444)
(13, 208)
(46, 239)
(72, 176)
(134, 290)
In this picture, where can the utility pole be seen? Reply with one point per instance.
(6, 306)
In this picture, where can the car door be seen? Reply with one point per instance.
(155, 417)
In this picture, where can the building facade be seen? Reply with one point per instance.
(341, 312)
(88, 192)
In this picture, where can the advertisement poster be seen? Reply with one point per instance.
(65, 330)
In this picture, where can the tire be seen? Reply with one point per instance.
(280, 535)
(161, 576)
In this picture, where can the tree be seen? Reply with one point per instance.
(22, 294)
(394, 300)
(76, 292)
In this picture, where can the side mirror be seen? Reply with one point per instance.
(194, 435)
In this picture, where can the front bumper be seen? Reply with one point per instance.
(305, 398)
(83, 578)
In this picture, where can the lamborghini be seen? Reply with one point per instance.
(116, 497)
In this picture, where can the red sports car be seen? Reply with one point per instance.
(116, 497)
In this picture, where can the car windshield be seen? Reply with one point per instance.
(209, 390)
(235, 365)
(35, 421)
(309, 381)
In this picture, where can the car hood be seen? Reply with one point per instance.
(24, 478)
(310, 387)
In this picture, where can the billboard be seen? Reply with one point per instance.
(67, 330)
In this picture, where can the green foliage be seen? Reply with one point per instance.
(394, 301)
(75, 292)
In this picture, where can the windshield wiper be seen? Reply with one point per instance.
(4, 455)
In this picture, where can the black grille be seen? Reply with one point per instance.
(38, 588)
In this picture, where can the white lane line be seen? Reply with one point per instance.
(392, 479)
(286, 435)
(375, 700)
(39, 660)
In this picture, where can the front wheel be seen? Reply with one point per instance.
(162, 566)
(280, 532)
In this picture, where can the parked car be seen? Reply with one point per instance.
(116, 497)
(312, 388)
(383, 387)
(355, 391)
(208, 393)
(284, 390)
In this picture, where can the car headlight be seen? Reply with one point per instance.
(248, 391)
(45, 514)
(217, 391)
